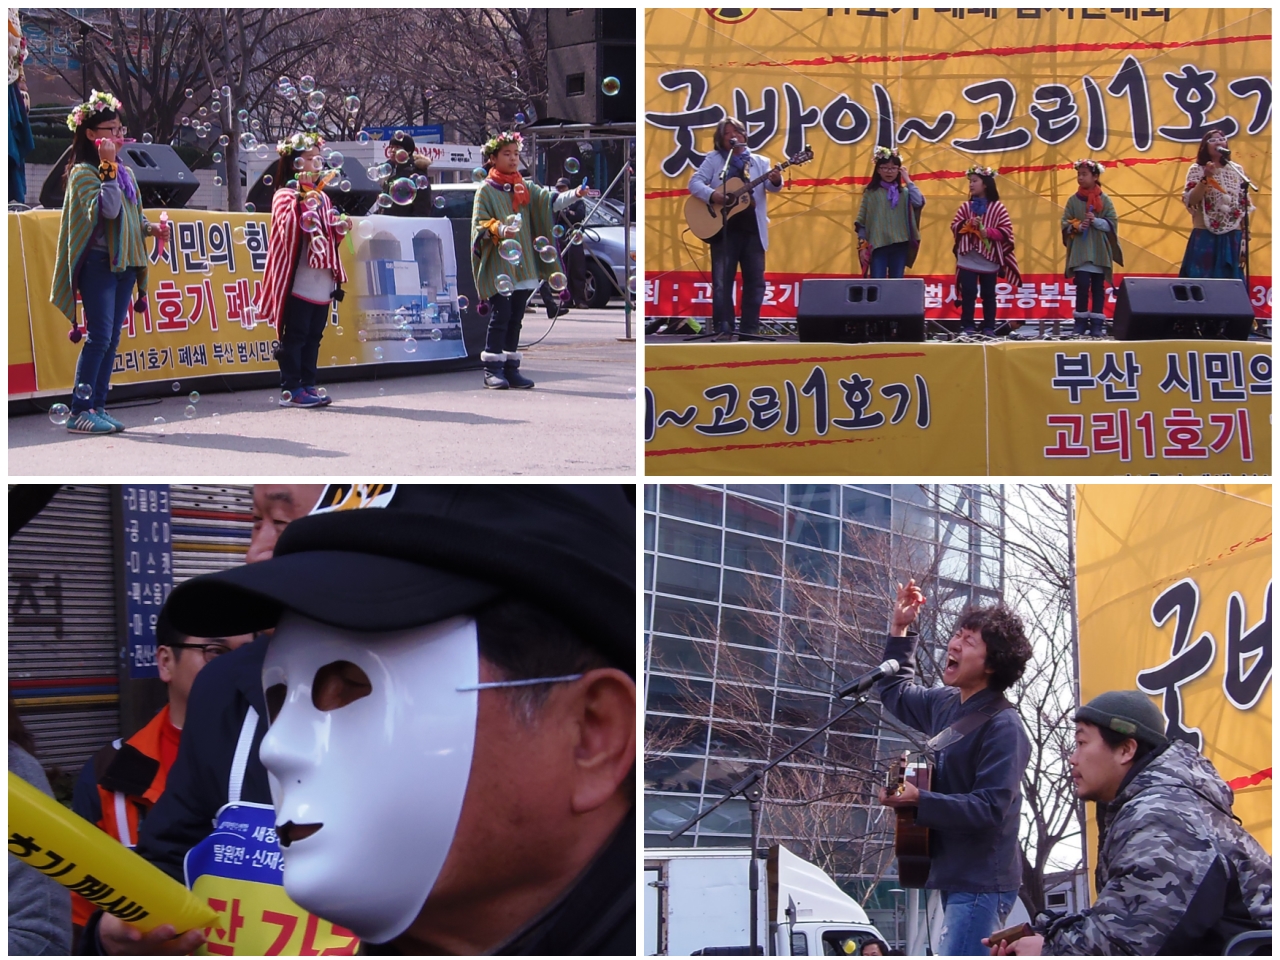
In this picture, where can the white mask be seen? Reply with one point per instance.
(385, 774)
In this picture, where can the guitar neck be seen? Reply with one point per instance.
(765, 176)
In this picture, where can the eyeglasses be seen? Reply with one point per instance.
(210, 650)
(120, 131)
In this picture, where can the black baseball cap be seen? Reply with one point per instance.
(384, 557)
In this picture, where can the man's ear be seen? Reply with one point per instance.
(604, 749)
(1127, 751)
(165, 658)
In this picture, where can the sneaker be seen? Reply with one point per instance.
(300, 398)
(89, 422)
(119, 427)
(324, 401)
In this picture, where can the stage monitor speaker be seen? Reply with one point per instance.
(861, 311)
(356, 202)
(163, 179)
(1176, 308)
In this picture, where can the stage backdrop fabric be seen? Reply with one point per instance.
(1001, 409)
(1025, 91)
(1174, 591)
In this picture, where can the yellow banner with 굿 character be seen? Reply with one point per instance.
(1174, 588)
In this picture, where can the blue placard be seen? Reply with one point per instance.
(148, 570)
(243, 846)
(431, 133)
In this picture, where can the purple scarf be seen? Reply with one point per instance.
(892, 190)
(128, 186)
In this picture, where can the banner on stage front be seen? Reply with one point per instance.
(1174, 592)
(403, 304)
(1026, 91)
(1026, 409)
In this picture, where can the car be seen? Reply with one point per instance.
(602, 238)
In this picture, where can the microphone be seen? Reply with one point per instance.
(868, 680)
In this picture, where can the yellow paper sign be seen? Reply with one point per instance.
(259, 919)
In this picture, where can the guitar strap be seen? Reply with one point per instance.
(966, 725)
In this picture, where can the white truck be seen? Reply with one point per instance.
(696, 901)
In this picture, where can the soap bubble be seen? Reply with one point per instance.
(377, 353)
(190, 93)
(284, 82)
(520, 118)
(250, 208)
(345, 186)
(335, 159)
(242, 115)
(202, 112)
(362, 136)
(339, 330)
(610, 86)
(83, 391)
(268, 180)
(215, 106)
(478, 174)
(352, 103)
(194, 396)
(428, 93)
(146, 138)
(216, 157)
(307, 84)
(548, 254)
(384, 201)
(310, 119)
(463, 303)
(438, 203)
(285, 395)
(557, 281)
(342, 226)
(402, 191)
(353, 361)
(557, 231)
(318, 243)
(362, 334)
(310, 221)
(509, 250)
(385, 170)
(59, 414)
(400, 156)
(237, 234)
(226, 92)
(248, 141)
(185, 121)
(176, 386)
(436, 335)
(410, 345)
(421, 181)
(631, 283)
(189, 412)
(159, 422)
(223, 140)
(572, 166)
(316, 100)
(502, 283)
(321, 392)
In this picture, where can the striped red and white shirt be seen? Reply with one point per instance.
(999, 230)
(282, 251)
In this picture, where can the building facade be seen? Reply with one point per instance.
(761, 600)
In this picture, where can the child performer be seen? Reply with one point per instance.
(1089, 232)
(304, 273)
(101, 251)
(507, 217)
(888, 221)
(983, 249)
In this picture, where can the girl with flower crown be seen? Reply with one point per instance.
(509, 210)
(304, 273)
(888, 221)
(101, 253)
(983, 249)
(1089, 232)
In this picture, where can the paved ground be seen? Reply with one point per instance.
(579, 420)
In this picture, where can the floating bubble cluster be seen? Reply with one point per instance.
(509, 250)
(503, 284)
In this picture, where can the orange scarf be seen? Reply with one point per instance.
(1092, 198)
(519, 191)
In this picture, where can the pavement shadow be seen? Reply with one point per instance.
(237, 444)
(421, 416)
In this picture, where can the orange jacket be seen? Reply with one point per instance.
(122, 811)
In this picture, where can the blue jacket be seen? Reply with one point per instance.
(972, 810)
(197, 784)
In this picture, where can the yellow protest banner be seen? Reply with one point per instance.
(1027, 91)
(1174, 588)
(259, 919)
(403, 302)
(936, 408)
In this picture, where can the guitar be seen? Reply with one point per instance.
(910, 840)
(707, 219)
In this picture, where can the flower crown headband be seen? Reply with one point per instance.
(886, 153)
(1091, 165)
(300, 143)
(980, 171)
(496, 143)
(97, 102)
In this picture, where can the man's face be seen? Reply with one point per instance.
(369, 753)
(733, 133)
(966, 664)
(275, 506)
(178, 668)
(1097, 769)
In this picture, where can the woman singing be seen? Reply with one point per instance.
(1216, 195)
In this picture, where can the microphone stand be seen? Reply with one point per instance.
(751, 787)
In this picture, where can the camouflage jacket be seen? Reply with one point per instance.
(1177, 874)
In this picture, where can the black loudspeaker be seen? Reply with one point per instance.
(861, 311)
(355, 202)
(1173, 308)
(163, 179)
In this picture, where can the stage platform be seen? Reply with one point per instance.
(995, 408)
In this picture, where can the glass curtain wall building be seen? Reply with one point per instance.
(760, 600)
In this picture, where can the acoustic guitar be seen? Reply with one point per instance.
(707, 219)
(910, 840)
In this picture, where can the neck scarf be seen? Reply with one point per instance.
(1092, 198)
(979, 205)
(892, 190)
(519, 191)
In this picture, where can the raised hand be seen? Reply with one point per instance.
(906, 608)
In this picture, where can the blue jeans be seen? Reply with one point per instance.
(106, 298)
(730, 248)
(968, 917)
(889, 263)
(301, 330)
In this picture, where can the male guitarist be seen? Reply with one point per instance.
(981, 752)
(745, 236)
